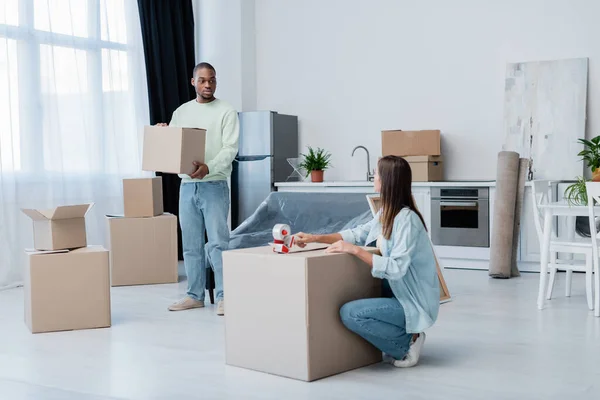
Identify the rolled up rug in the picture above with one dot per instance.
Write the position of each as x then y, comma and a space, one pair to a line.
501, 251
523, 169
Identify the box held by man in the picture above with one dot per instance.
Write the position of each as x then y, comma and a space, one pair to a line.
173, 149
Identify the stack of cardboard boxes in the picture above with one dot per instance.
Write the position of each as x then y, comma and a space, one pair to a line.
143, 242
67, 282
422, 150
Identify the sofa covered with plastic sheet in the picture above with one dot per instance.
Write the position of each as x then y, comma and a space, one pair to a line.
303, 212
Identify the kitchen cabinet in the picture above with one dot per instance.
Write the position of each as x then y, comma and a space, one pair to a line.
528, 254
422, 196
529, 244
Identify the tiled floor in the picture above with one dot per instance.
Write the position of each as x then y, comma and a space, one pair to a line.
490, 342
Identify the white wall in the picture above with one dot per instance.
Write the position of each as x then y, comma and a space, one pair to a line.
225, 38
350, 68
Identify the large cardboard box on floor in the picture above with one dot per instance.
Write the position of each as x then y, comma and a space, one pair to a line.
411, 143
67, 290
143, 197
282, 312
426, 168
143, 251
172, 149
59, 228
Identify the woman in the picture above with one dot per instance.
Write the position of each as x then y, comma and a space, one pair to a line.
394, 324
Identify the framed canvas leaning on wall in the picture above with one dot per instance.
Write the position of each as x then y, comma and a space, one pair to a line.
375, 204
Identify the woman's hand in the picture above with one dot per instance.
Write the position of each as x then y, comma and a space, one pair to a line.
342, 247
302, 239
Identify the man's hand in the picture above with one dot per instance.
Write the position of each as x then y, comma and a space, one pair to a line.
161, 124
302, 239
201, 171
342, 247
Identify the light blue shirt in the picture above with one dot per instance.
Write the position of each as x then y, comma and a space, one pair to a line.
407, 261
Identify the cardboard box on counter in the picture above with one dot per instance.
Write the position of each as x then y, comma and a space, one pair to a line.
411, 143
67, 290
143, 197
426, 168
143, 251
59, 228
282, 312
172, 149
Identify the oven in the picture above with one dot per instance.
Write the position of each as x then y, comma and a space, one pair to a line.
460, 216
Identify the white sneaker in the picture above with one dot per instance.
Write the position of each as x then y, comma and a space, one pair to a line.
414, 352
221, 307
187, 303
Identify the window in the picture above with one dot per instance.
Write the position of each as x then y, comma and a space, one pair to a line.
9, 12
68, 101
10, 157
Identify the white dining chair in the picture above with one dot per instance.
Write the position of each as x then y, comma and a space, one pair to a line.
593, 195
541, 194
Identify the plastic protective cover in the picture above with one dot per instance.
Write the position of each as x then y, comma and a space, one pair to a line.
317, 213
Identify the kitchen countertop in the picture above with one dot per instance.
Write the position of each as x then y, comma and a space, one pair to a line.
369, 184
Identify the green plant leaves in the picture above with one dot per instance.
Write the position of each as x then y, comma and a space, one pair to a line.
591, 153
316, 160
576, 193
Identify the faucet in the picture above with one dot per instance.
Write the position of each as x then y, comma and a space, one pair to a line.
370, 175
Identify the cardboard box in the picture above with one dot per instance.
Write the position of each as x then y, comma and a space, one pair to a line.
143, 197
173, 150
67, 290
143, 251
59, 228
411, 143
426, 168
282, 312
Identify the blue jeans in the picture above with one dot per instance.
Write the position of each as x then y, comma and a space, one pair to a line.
381, 322
203, 207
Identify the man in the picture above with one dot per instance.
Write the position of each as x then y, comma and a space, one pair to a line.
204, 195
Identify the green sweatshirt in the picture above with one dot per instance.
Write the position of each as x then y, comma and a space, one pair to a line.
221, 122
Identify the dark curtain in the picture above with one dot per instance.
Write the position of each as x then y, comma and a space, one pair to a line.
168, 36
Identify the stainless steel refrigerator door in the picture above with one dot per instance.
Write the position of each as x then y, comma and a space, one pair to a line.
251, 185
255, 133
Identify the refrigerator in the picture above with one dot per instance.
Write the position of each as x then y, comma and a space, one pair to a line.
267, 140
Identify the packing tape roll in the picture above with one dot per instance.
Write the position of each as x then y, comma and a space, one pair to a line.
501, 251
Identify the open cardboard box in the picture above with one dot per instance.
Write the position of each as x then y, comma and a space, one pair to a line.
60, 227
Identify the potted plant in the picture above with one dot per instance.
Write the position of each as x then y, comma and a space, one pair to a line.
591, 155
576, 193
315, 163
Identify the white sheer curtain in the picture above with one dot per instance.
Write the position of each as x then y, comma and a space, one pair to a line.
73, 103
